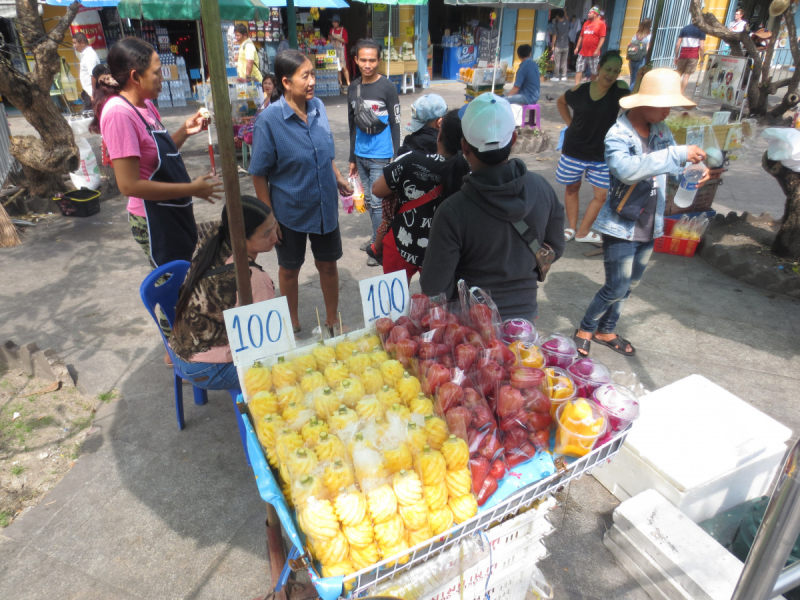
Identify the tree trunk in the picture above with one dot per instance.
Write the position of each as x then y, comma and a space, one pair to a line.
787, 242
46, 158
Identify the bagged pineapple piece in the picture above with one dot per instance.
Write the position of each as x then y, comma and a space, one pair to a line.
369, 407
388, 396
399, 411
407, 488
351, 507
330, 447
318, 519
416, 437
335, 373
361, 536
344, 349
282, 374
378, 356
436, 430
287, 394
287, 442
344, 568
397, 455
257, 379
456, 453
367, 342
301, 462
306, 487
323, 355
408, 387
333, 551
389, 532
431, 466
301, 364
312, 380
341, 418
392, 371
369, 466
338, 474
381, 503
312, 430
418, 536
463, 507
458, 482
325, 402
267, 429
422, 405
365, 556
435, 495
301, 419
440, 520
350, 391
262, 404
357, 362
372, 380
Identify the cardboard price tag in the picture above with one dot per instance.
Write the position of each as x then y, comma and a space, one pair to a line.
259, 330
385, 296
332, 53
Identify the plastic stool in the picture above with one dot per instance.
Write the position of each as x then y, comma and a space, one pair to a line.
526, 110
406, 85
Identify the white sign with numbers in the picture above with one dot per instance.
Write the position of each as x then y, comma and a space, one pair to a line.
259, 330
385, 296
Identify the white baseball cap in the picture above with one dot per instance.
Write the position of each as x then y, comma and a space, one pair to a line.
487, 122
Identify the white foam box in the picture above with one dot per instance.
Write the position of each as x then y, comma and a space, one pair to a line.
699, 446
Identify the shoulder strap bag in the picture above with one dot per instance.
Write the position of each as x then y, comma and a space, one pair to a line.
366, 120
544, 254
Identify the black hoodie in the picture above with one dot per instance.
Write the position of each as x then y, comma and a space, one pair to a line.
473, 237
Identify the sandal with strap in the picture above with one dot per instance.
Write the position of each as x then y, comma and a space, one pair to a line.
617, 344
569, 233
582, 344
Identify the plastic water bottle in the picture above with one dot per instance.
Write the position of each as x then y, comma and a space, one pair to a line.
692, 174
426, 81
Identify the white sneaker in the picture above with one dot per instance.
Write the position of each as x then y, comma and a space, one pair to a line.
554, 79
563, 79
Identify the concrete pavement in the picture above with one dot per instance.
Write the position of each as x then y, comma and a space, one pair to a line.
151, 512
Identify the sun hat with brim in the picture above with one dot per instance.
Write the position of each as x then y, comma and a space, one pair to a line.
659, 88
763, 34
778, 7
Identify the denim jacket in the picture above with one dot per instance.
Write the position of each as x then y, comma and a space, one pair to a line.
627, 165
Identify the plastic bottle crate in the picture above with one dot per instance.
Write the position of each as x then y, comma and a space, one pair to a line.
672, 245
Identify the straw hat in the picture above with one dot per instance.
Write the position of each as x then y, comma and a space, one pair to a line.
659, 87
778, 7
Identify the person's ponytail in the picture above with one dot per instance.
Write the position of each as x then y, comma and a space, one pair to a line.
106, 88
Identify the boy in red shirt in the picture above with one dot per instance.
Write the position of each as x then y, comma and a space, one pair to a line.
590, 45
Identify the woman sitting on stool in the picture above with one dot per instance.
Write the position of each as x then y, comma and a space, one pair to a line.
199, 340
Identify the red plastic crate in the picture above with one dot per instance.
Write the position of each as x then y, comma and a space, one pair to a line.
673, 245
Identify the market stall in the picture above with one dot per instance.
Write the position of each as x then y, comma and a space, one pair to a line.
392, 446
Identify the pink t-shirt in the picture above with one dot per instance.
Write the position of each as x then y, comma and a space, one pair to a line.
126, 136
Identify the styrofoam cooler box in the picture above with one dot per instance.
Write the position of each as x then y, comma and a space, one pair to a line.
701, 447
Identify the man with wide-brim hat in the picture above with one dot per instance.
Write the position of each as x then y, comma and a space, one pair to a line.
640, 153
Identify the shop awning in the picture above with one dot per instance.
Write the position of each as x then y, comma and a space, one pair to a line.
84, 3
523, 4
183, 10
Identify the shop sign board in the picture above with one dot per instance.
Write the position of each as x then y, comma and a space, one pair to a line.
385, 296
467, 55
259, 330
723, 78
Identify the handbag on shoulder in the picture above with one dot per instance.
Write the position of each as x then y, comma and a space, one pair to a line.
628, 201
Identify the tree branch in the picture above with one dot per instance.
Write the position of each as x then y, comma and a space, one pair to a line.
60, 30
789, 98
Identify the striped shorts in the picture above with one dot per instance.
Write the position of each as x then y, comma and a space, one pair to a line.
571, 170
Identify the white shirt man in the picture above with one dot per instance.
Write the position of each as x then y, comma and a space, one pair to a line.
738, 21
89, 60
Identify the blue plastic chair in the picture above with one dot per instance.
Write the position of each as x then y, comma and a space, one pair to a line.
165, 296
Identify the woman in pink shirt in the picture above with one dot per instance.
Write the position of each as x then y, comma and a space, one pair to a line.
199, 341
147, 164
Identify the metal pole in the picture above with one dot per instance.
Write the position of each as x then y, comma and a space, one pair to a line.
497, 49
656, 23
209, 9
787, 580
291, 24
775, 537
205, 100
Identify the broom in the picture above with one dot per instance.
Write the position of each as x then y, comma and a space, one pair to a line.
8, 233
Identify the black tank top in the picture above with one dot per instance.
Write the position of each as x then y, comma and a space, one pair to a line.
591, 120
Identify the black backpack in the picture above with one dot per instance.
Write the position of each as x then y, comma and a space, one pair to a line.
636, 50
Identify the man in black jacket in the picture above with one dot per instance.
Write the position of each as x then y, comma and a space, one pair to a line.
473, 235
426, 121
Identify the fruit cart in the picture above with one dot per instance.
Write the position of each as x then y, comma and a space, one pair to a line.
496, 519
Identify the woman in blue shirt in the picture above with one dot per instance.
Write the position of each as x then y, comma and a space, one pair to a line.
294, 172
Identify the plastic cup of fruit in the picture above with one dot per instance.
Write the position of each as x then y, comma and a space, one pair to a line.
517, 330
588, 375
576, 435
558, 350
347, 204
618, 403
559, 386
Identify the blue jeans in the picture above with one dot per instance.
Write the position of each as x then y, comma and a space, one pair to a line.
208, 376
634, 66
370, 170
624, 263
518, 99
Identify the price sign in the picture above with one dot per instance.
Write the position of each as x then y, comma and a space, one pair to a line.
173, 48
259, 330
384, 296
409, 31
332, 53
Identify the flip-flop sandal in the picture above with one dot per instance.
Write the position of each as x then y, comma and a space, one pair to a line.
618, 344
569, 233
592, 238
582, 344
296, 329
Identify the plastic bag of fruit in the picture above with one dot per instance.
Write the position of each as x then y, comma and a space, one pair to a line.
483, 314
420, 306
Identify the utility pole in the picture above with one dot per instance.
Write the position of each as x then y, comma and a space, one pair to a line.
209, 10
291, 24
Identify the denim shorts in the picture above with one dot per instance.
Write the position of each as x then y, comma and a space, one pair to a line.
326, 247
208, 376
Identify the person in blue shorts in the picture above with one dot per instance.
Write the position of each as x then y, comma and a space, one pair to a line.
589, 110
526, 85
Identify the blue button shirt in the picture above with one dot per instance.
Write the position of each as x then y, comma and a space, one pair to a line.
528, 80
297, 160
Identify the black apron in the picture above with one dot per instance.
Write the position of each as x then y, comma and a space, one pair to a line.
170, 224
